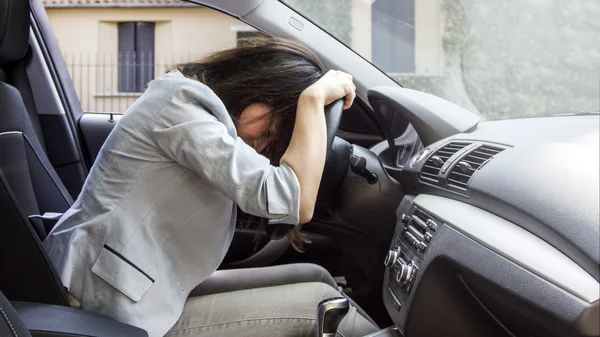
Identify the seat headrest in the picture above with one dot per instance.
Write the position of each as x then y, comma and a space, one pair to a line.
14, 30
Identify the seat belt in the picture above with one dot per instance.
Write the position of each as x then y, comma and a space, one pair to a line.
48, 218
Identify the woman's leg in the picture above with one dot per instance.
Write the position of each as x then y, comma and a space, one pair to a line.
285, 310
247, 278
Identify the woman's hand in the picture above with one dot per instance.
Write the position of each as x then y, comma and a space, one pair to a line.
333, 85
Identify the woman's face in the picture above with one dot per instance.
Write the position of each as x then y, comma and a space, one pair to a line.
253, 124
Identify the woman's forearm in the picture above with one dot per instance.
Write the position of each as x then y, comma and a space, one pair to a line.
306, 151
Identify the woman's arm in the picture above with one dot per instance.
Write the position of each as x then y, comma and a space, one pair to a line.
188, 134
307, 149
306, 152
285, 194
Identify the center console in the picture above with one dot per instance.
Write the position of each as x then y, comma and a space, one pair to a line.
415, 232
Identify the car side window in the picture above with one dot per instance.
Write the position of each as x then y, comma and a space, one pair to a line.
113, 51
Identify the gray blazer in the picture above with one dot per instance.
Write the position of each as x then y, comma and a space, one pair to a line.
157, 212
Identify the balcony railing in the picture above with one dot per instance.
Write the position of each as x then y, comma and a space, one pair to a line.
112, 82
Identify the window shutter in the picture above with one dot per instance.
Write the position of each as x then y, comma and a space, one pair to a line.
144, 54
126, 60
393, 35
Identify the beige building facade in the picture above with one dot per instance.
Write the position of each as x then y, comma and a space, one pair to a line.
88, 35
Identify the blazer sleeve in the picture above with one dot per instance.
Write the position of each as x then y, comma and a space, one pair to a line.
194, 138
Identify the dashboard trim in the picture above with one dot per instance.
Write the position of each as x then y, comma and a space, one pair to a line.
514, 243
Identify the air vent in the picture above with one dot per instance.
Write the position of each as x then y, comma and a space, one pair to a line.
434, 163
465, 168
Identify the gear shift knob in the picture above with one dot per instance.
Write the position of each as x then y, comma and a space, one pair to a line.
330, 313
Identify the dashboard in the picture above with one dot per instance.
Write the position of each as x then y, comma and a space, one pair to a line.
498, 233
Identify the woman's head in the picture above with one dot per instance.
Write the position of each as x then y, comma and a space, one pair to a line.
260, 82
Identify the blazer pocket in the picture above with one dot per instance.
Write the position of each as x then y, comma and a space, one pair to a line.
122, 274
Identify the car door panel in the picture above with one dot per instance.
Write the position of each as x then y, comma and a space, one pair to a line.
63, 153
55, 101
95, 128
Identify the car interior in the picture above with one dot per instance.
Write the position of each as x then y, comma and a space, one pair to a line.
436, 223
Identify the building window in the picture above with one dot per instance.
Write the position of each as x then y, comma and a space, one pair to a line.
393, 35
136, 56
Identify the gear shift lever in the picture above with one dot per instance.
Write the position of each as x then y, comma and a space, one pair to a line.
330, 313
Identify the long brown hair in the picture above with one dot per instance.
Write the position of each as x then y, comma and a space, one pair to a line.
268, 70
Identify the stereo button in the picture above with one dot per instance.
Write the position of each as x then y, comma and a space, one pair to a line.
428, 237
397, 305
390, 258
411, 239
432, 225
405, 272
411, 279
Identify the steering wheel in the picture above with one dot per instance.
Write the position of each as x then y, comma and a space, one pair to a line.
333, 116
276, 247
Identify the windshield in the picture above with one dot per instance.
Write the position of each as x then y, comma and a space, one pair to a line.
501, 59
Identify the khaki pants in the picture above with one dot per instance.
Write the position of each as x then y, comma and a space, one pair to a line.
285, 310
261, 302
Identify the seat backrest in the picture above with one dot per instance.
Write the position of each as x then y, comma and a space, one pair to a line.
28, 183
10, 323
27, 274
26, 167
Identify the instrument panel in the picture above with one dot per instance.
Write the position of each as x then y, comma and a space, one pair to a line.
459, 263
415, 232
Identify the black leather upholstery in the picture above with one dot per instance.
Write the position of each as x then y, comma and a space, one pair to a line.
14, 44
26, 272
28, 183
10, 323
14, 30
51, 320
25, 165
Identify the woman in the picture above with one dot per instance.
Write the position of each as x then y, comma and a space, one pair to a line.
156, 214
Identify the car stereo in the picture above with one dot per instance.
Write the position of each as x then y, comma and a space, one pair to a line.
415, 232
